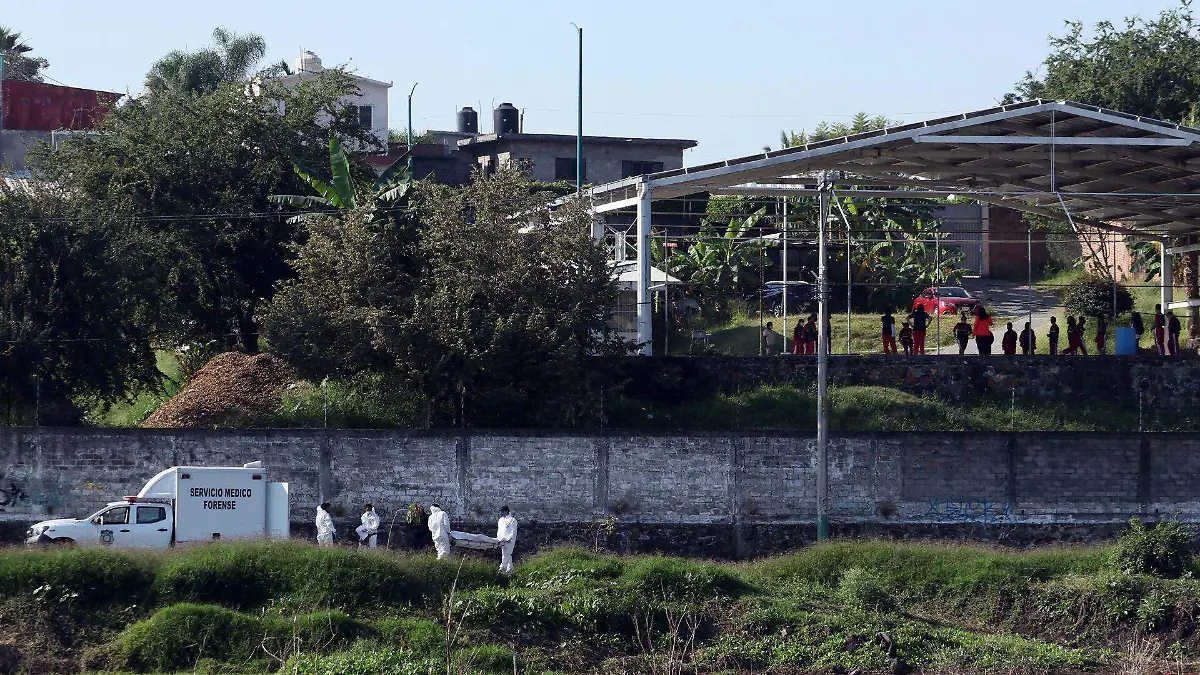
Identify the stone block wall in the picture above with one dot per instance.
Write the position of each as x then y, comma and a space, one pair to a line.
752, 492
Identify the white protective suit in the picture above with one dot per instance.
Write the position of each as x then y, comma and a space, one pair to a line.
439, 527
506, 532
368, 532
324, 528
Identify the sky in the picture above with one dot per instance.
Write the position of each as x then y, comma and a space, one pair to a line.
730, 75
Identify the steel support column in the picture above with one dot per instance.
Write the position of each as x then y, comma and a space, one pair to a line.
1166, 277
645, 308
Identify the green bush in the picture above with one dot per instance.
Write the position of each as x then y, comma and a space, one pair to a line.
1094, 297
567, 567
1163, 550
865, 590
245, 576
180, 635
85, 577
680, 579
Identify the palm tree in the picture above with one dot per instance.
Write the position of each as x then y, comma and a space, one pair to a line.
232, 60
17, 66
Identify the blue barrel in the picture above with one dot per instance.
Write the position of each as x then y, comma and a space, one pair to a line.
1126, 342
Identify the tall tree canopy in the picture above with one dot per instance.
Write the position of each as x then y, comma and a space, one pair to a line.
195, 171
18, 66
1143, 67
73, 292
232, 59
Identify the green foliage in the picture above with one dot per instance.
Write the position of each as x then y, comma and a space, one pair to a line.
486, 659
193, 196
866, 590
362, 659
246, 576
567, 566
724, 262
824, 131
1163, 550
205, 70
91, 577
1145, 67
177, 636
65, 273
363, 401
419, 636
18, 66
1094, 297
680, 579
389, 190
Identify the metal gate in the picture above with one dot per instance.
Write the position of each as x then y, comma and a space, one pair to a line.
963, 223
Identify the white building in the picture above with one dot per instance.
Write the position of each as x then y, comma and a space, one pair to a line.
371, 103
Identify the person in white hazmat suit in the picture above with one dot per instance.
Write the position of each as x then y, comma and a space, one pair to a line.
506, 532
368, 531
439, 527
324, 525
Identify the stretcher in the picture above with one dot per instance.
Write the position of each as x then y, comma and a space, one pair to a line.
476, 541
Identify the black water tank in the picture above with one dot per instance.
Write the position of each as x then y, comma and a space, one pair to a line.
506, 119
468, 121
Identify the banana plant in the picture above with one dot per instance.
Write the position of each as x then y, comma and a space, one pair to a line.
339, 193
720, 260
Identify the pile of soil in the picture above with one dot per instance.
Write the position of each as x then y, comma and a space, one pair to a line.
231, 390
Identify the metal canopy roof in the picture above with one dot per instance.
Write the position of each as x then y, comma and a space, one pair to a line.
1107, 168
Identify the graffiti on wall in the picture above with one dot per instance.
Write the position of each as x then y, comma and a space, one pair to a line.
11, 495
963, 510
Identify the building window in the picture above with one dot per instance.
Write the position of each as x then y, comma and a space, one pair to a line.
633, 168
363, 114
564, 169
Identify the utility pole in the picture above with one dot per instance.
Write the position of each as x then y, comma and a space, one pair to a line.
823, 362
410, 136
579, 133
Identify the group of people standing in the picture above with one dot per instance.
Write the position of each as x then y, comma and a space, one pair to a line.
978, 325
439, 529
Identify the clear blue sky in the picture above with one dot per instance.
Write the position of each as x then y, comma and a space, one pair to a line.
730, 74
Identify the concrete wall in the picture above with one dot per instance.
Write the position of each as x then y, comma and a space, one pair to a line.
750, 492
603, 160
15, 145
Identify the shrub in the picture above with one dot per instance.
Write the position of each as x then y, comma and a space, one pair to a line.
866, 590
245, 576
567, 566
1163, 550
178, 636
88, 577
1094, 297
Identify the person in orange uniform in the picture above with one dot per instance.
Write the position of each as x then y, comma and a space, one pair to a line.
983, 331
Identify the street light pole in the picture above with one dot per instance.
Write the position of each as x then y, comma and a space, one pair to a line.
579, 133
410, 95
823, 362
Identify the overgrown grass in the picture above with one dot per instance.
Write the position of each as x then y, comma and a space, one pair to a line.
873, 606
362, 402
873, 408
134, 411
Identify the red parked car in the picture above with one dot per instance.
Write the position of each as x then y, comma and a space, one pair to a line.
945, 300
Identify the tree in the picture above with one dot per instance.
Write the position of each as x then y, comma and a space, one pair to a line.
18, 66
824, 131
195, 171
724, 262
496, 311
341, 193
232, 60
1149, 68
72, 297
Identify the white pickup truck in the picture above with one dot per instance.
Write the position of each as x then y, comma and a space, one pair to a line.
180, 505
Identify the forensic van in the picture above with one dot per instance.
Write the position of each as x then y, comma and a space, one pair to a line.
183, 504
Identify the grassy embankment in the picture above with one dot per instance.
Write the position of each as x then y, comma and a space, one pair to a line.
878, 607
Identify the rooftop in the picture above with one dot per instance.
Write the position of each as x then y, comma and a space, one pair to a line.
483, 139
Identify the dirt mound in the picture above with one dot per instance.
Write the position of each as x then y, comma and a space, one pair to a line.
231, 390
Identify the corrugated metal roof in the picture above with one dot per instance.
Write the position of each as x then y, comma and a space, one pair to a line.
1105, 166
